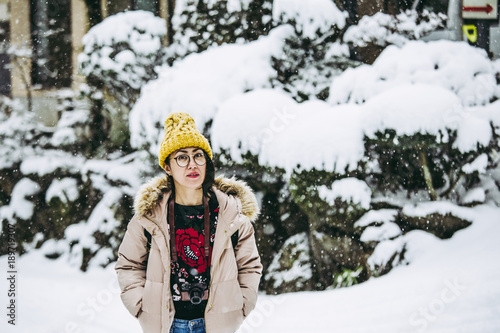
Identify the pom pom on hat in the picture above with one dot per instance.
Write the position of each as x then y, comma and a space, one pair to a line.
181, 132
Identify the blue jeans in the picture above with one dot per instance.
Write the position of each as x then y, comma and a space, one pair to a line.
188, 326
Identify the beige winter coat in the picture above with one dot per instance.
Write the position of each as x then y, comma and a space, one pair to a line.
144, 276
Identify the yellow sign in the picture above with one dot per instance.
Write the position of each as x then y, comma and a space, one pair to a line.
471, 32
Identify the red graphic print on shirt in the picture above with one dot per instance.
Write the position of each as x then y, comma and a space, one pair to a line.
190, 247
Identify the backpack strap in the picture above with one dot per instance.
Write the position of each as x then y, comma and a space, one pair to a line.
234, 239
148, 237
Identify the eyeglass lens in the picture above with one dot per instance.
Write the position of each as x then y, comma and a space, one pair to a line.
183, 160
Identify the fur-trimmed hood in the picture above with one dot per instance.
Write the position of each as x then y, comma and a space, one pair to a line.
152, 192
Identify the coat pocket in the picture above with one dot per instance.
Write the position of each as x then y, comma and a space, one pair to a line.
227, 297
151, 298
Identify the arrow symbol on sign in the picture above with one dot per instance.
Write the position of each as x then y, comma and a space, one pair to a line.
487, 9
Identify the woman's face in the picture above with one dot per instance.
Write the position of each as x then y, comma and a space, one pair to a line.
192, 175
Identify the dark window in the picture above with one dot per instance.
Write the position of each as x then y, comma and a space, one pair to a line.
436, 6
5, 84
117, 6
151, 6
51, 40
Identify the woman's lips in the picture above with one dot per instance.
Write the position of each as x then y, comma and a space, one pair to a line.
193, 175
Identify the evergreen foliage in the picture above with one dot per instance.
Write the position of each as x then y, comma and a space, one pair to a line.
119, 63
200, 24
310, 60
116, 65
422, 161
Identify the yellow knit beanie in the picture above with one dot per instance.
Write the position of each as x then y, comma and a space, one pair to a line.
181, 132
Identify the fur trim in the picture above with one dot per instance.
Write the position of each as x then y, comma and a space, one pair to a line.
152, 192
240, 189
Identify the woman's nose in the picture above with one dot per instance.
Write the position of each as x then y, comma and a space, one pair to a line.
191, 163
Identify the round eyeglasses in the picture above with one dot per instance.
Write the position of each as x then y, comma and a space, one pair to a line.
184, 159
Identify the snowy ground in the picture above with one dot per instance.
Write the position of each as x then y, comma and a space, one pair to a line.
449, 286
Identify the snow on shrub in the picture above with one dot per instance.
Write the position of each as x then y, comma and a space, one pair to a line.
50, 162
404, 134
299, 136
387, 254
455, 66
309, 17
312, 55
388, 230
99, 232
200, 83
120, 53
378, 225
66, 190
443, 208
411, 109
349, 190
49, 184
21, 204
18, 132
268, 111
201, 24
291, 268
383, 29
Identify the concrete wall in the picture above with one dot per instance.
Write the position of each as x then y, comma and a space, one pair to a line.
20, 38
79, 27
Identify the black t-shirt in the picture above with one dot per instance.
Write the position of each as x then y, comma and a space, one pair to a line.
192, 266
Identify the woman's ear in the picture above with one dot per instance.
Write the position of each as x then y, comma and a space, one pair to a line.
167, 169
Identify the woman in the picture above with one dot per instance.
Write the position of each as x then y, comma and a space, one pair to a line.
174, 275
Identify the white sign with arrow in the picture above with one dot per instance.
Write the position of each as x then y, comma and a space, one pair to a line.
480, 9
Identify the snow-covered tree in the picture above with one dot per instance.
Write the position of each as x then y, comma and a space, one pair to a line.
120, 55
200, 24
313, 55
373, 33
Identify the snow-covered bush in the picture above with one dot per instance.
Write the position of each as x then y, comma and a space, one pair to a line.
378, 225
331, 207
312, 55
57, 199
381, 238
200, 24
423, 162
423, 134
121, 54
387, 255
455, 66
374, 33
200, 83
383, 29
442, 219
291, 268
17, 131
380, 123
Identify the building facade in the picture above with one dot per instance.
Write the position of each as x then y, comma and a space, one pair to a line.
40, 41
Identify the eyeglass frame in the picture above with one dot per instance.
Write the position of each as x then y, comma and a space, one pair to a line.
189, 159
